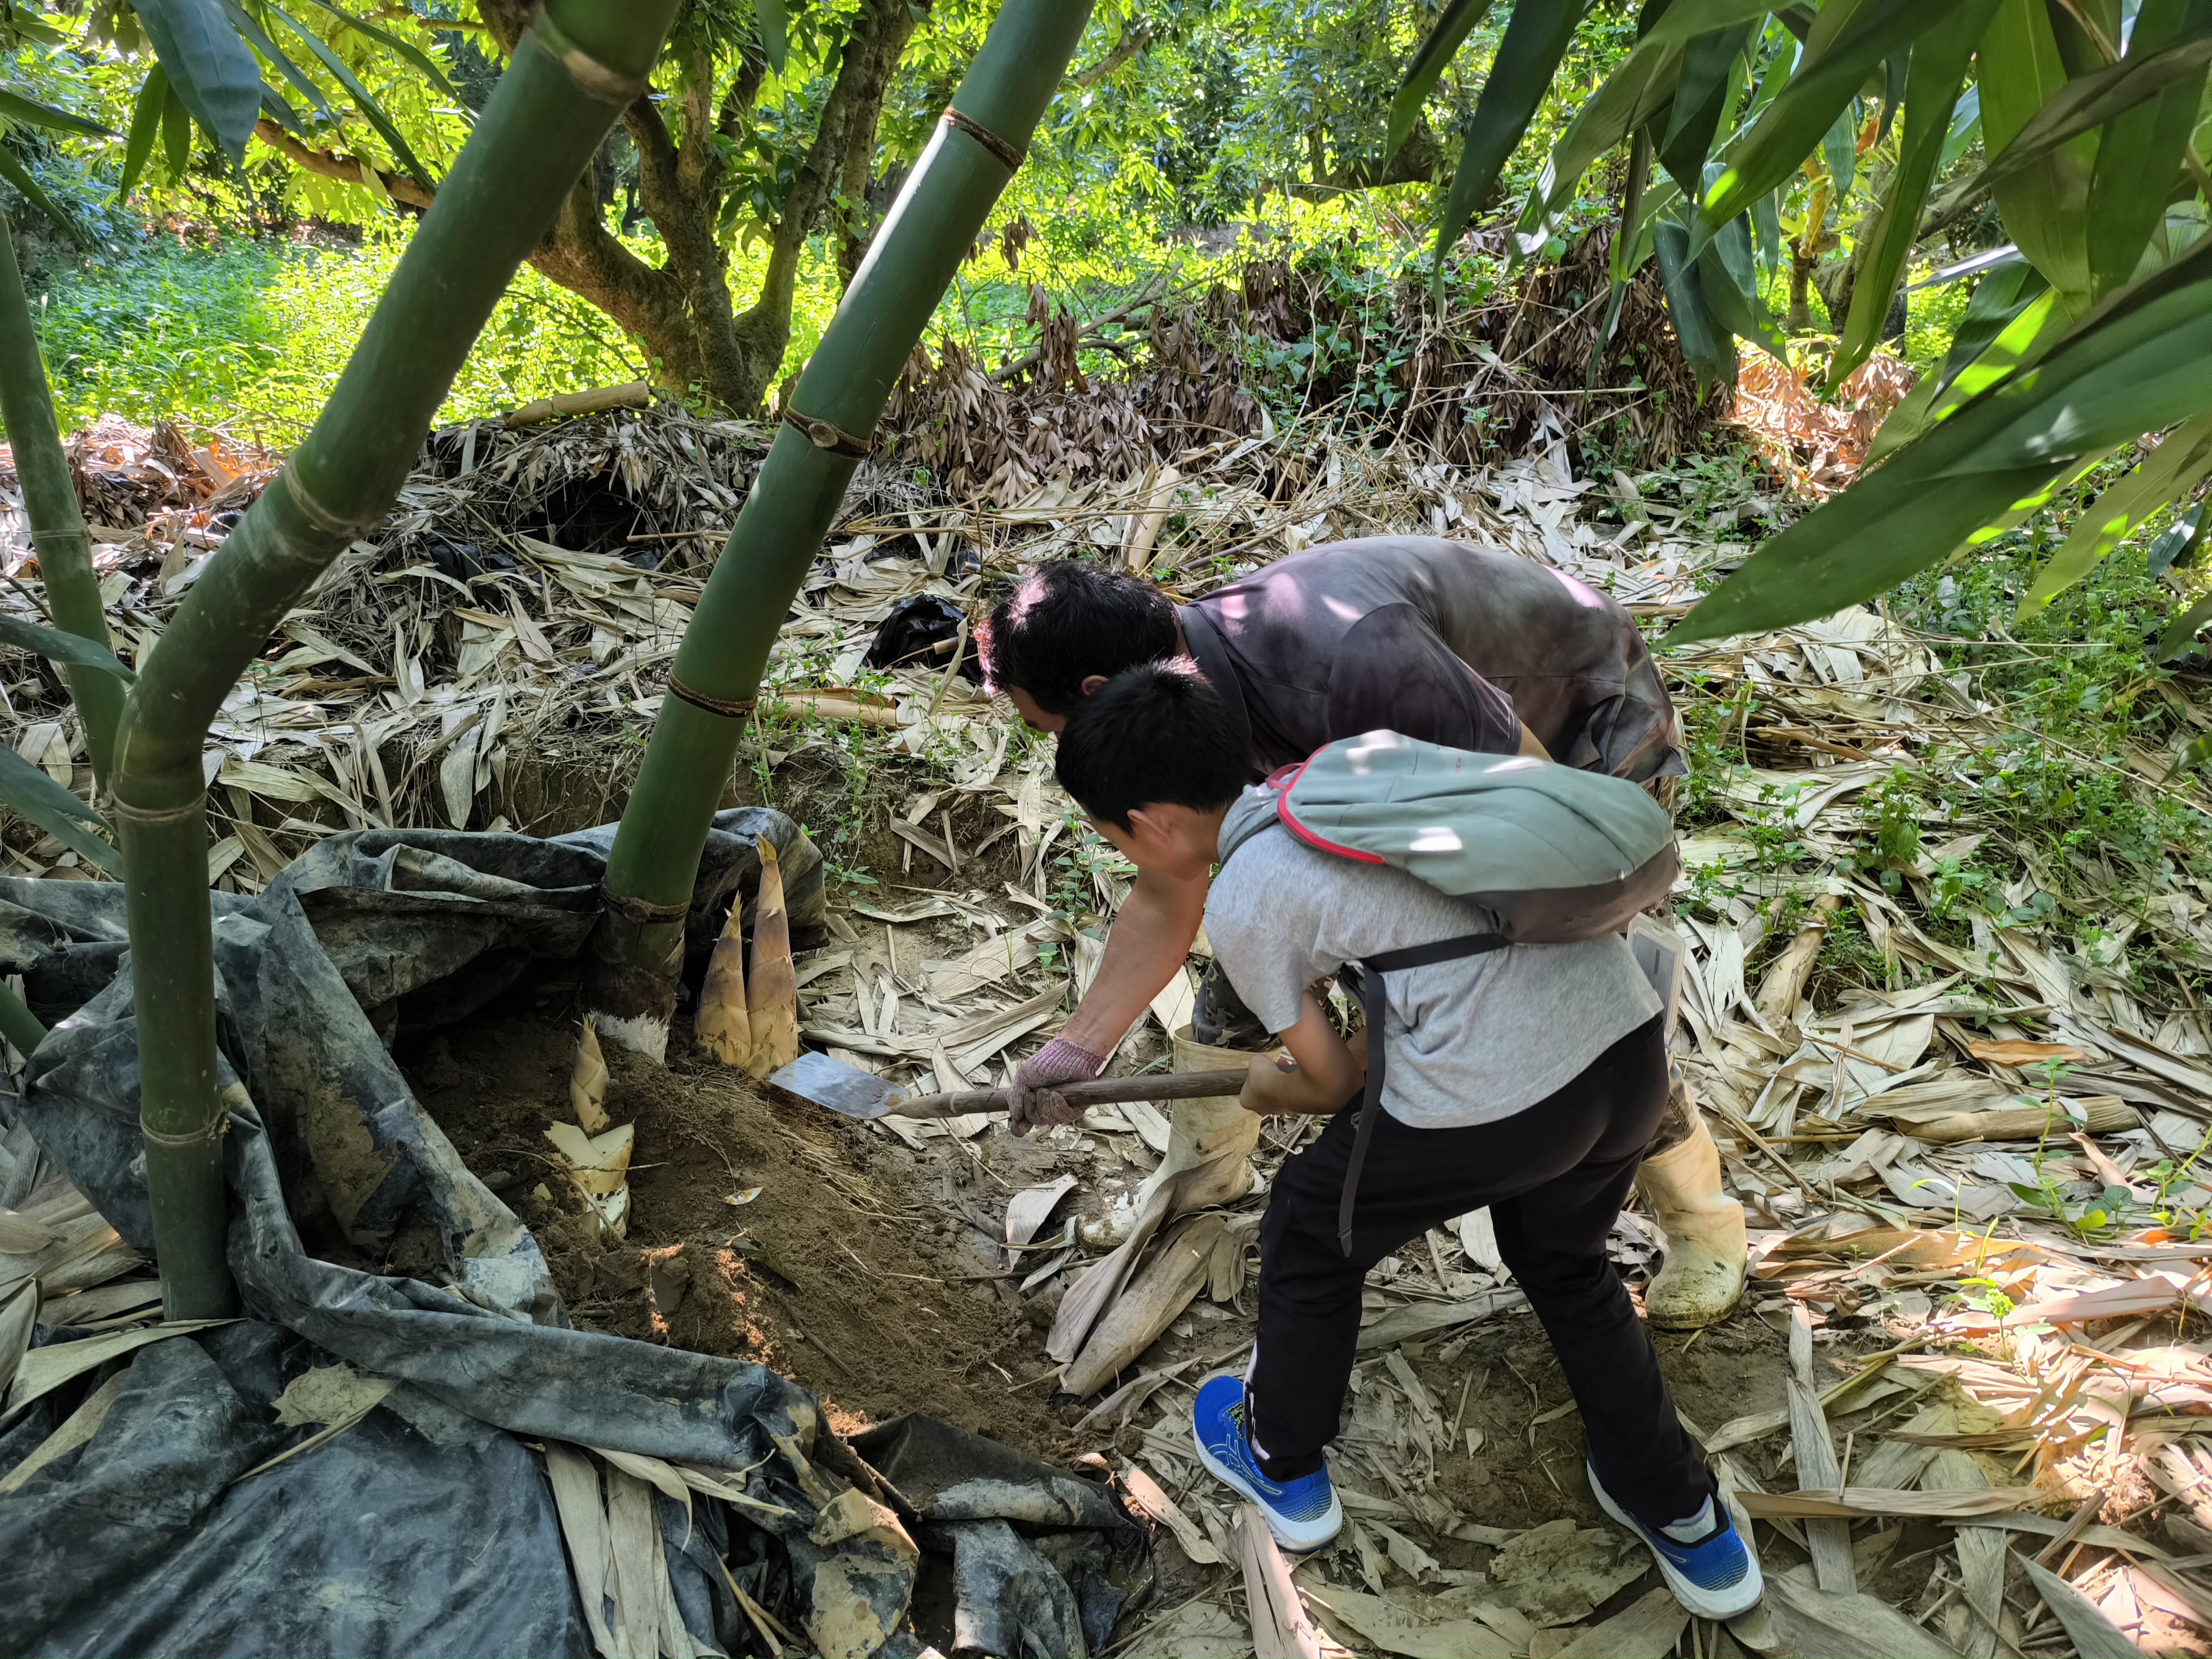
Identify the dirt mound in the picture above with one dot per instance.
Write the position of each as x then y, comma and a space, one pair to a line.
845, 1267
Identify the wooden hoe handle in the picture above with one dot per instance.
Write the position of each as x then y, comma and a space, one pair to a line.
1101, 1092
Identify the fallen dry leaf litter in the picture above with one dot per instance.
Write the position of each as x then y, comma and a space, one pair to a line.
1969, 1395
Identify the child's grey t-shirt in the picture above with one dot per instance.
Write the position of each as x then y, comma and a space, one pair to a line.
1469, 1041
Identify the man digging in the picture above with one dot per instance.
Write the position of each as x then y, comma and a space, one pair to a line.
1439, 640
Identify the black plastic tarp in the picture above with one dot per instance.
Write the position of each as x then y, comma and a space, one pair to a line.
430, 1525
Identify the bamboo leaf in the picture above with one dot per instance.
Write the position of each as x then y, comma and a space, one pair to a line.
145, 123
1819, 97
2012, 307
2176, 546
57, 646
1893, 94
775, 32
28, 792
2140, 152
1638, 89
1632, 240
1766, 224
1965, 125
19, 176
1535, 41
176, 135
17, 107
1729, 282
274, 106
1452, 27
1707, 346
2085, 103
208, 67
1839, 151
2174, 467
1626, 255
242, 21
367, 104
2144, 359
2018, 69
2178, 635
413, 54
1934, 74
1711, 66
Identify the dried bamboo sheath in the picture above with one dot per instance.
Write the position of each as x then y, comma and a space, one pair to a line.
571, 76
841, 395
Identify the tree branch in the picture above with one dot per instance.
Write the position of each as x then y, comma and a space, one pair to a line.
1134, 39
346, 169
1415, 163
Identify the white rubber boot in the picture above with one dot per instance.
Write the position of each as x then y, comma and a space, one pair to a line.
1210, 1144
1702, 1279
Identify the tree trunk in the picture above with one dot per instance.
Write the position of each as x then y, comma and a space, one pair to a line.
1800, 321
681, 312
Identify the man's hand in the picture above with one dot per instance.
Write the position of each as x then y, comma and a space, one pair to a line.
1032, 1101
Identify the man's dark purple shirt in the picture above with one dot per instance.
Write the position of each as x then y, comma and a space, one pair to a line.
1441, 640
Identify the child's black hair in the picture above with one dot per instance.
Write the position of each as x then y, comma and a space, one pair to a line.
1066, 620
1154, 735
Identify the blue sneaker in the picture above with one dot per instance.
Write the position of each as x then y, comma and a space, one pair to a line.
1302, 1514
1713, 1574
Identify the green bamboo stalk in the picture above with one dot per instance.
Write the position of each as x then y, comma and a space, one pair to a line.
57, 532
638, 946
581, 63
18, 1023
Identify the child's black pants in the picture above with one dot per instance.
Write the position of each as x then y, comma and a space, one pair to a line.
1555, 1177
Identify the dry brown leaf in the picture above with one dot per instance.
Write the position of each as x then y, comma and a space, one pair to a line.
1281, 1628
2027, 1054
772, 996
1852, 1501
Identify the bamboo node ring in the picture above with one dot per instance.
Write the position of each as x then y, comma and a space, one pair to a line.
736, 708
827, 435
321, 517
641, 911
596, 79
214, 1131
124, 809
1010, 153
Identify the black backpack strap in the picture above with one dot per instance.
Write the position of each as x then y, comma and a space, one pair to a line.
1371, 969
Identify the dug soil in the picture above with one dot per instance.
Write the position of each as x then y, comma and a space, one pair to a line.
763, 1232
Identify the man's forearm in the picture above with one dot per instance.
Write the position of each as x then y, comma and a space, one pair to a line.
1144, 949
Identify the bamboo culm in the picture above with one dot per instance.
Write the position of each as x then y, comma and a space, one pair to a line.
579, 66
57, 528
830, 417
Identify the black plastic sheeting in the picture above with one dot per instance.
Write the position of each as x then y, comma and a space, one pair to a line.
429, 1526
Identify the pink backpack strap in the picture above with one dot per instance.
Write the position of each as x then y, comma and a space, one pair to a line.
1282, 782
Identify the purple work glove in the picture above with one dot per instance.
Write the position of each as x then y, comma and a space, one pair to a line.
1032, 1101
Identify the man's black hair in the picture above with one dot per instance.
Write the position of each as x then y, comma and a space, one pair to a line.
1151, 736
1067, 620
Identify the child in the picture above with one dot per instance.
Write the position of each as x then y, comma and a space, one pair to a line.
1527, 1080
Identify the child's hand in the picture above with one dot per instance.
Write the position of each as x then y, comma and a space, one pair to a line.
1317, 1076
1271, 1085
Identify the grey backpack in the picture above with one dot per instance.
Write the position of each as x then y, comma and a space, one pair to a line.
1556, 853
